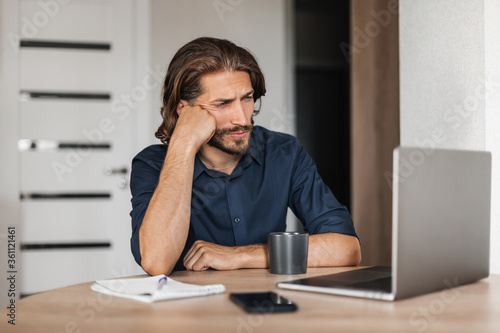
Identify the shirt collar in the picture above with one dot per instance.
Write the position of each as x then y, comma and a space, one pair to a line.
257, 145
198, 167
255, 152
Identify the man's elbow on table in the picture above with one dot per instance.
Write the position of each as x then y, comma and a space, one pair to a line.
156, 267
353, 253
350, 250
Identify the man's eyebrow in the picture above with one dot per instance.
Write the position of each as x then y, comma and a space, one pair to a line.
222, 99
226, 100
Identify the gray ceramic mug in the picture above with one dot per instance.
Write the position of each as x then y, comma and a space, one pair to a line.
288, 252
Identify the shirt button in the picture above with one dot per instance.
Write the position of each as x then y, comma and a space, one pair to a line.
237, 220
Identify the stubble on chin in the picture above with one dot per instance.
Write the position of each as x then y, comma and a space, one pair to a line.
235, 146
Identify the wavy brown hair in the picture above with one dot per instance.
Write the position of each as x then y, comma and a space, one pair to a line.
199, 57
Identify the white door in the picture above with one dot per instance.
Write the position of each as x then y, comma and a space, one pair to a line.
76, 110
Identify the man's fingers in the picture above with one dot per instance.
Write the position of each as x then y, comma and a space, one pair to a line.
201, 263
204, 255
189, 255
210, 137
189, 261
197, 123
203, 106
186, 259
193, 254
197, 262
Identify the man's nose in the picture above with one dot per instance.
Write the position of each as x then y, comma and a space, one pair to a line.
238, 115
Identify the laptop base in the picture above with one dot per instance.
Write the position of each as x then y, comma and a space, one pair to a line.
373, 282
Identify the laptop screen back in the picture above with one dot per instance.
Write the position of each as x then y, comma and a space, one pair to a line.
441, 219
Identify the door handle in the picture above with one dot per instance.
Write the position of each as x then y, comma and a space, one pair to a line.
108, 171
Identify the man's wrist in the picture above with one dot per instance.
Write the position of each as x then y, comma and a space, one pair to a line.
182, 145
253, 256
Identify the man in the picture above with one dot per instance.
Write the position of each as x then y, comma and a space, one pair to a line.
208, 197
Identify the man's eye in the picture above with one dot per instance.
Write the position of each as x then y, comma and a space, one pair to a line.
220, 105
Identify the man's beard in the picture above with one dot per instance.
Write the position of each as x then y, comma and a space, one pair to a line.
238, 146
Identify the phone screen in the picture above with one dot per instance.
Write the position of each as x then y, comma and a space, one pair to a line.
266, 302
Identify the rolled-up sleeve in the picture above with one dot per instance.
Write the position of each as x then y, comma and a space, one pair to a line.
146, 168
313, 202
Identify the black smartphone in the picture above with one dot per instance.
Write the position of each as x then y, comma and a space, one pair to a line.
267, 302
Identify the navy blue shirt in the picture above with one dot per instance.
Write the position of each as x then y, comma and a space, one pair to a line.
242, 208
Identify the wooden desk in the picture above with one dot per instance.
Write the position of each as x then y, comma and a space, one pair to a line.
472, 308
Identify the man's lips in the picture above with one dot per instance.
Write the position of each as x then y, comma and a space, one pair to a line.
238, 135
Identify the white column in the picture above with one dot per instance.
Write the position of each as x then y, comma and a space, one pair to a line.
450, 82
442, 73
492, 108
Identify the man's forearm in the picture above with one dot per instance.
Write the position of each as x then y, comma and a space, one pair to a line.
165, 226
328, 249
254, 256
332, 249
204, 255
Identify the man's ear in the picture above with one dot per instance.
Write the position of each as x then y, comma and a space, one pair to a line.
181, 104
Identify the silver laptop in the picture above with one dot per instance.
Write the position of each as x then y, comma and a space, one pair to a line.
440, 228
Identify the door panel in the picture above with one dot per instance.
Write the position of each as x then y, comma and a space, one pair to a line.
77, 20
53, 69
76, 143
73, 170
59, 221
53, 268
74, 118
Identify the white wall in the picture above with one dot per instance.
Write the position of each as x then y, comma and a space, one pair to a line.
492, 107
449, 51
441, 67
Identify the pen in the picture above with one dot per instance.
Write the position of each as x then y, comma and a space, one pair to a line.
162, 282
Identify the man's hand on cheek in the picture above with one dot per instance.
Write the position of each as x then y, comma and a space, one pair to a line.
204, 255
194, 123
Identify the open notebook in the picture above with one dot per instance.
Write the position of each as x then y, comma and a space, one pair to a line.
154, 288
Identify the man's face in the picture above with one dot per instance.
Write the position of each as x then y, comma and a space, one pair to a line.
228, 96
